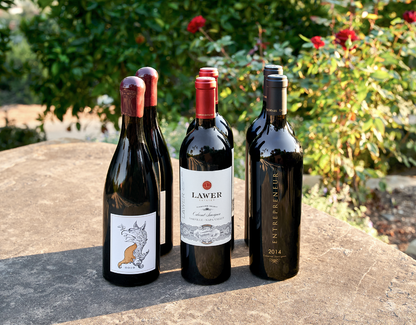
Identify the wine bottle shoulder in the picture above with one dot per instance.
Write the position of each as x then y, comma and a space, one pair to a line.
205, 149
222, 125
254, 129
271, 143
131, 175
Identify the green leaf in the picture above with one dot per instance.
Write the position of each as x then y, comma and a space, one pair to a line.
160, 22
412, 161
396, 21
324, 161
380, 75
373, 148
55, 68
295, 107
368, 124
173, 5
308, 160
239, 6
78, 126
378, 123
305, 38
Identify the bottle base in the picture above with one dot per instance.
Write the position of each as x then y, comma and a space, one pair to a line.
165, 249
205, 282
278, 277
130, 280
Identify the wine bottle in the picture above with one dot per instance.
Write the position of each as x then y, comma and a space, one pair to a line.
205, 162
252, 132
131, 217
275, 185
224, 127
160, 155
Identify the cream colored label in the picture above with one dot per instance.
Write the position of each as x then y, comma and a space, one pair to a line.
132, 243
206, 202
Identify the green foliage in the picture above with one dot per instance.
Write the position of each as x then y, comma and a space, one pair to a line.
22, 71
88, 47
338, 205
356, 103
13, 137
19, 68
240, 88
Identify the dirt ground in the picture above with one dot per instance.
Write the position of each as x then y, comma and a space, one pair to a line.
394, 215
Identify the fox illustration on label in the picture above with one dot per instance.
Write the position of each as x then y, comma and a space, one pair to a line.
134, 253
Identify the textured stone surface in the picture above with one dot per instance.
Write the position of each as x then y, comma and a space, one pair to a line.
51, 232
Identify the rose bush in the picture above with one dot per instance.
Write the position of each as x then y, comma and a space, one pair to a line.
356, 98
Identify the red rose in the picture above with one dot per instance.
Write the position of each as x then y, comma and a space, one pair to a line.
196, 24
410, 16
342, 36
317, 42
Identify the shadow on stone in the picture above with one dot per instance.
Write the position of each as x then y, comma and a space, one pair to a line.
65, 286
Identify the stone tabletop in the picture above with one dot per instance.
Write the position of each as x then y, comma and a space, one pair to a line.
50, 259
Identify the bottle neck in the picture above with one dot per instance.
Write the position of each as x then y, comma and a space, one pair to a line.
132, 129
150, 117
276, 109
278, 121
263, 112
204, 123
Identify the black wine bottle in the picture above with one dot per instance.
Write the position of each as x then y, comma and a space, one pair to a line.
224, 127
160, 155
205, 194
131, 250
275, 187
252, 132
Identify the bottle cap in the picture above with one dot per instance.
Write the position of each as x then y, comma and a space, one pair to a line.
268, 70
272, 69
277, 81
150, 78
210, 72
132, 91
205, 97
276, 94
205, 83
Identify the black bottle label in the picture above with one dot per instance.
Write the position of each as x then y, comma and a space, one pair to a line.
276, 219
133, 243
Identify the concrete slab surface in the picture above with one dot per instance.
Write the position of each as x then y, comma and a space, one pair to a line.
50, 259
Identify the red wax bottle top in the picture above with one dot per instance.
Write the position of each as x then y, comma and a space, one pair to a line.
132, 91
150, 78
205, 97
210, 72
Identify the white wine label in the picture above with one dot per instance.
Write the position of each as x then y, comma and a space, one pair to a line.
132, 243
206, 201
162, 217
232, 185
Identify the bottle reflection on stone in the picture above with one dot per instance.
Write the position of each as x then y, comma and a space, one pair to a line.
275, 187
131, 199
252, 132
205, 194
160, 155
